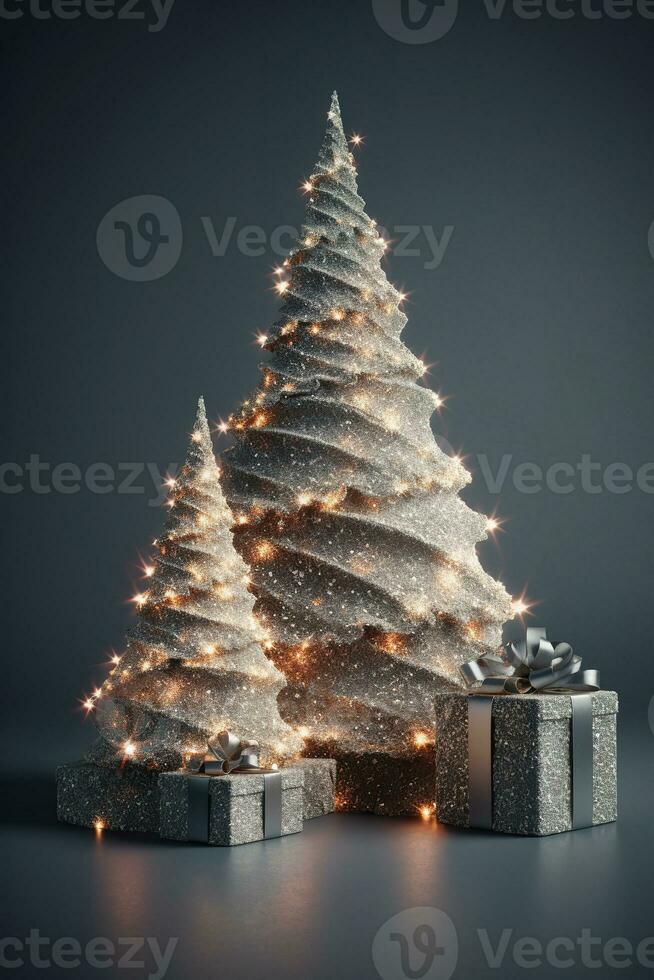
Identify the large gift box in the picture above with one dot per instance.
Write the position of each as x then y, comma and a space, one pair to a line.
531, 748
229, 800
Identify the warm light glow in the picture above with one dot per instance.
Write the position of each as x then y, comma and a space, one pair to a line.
196, 437
281, 287
140, 599
129, 749
262, 339
264, 550
115, 659
492, 524
356, 139
426, 811
148, 570
303, 499
338, 314
89, 704
242, 519
438, 400
98, 825
223, 426
519, 607
421, 739
307, 187
170, 482
401, 297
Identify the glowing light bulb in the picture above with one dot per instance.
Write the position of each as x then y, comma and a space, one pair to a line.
89, 704
196, 437
115, 659
519, 607
426, 811
98, 825
262, 339
129, 749
356, 139
307, 187
148, 570
281, 287
420, 739
223, 426
303, 499
170, 482
140, 599
492, 525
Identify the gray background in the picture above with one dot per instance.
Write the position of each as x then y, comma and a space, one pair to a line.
532, 138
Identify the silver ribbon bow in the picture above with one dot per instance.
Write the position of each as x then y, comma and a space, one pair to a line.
227, 753
533, 664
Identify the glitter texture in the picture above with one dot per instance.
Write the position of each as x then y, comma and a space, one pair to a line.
319, 786
194, 663
363, 555
235, 806
531, 761
121, 799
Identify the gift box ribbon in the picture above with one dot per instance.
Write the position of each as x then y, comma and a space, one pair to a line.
534, 665
229, 755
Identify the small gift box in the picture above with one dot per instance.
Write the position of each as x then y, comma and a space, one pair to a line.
531, 748
225, 799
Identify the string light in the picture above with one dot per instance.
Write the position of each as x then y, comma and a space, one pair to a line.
307, 187
262, 339
356, 139
427, 810
421, 739
520, 607
98, 825
129, 749
281, 287
140, 599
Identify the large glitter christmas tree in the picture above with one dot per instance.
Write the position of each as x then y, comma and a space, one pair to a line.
194, 664
363, 554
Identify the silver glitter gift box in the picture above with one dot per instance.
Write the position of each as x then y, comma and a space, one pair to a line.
319, 786
223, 811
125, 798
533, 788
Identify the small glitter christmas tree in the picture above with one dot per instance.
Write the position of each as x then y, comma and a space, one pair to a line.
362, 552
194, 664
